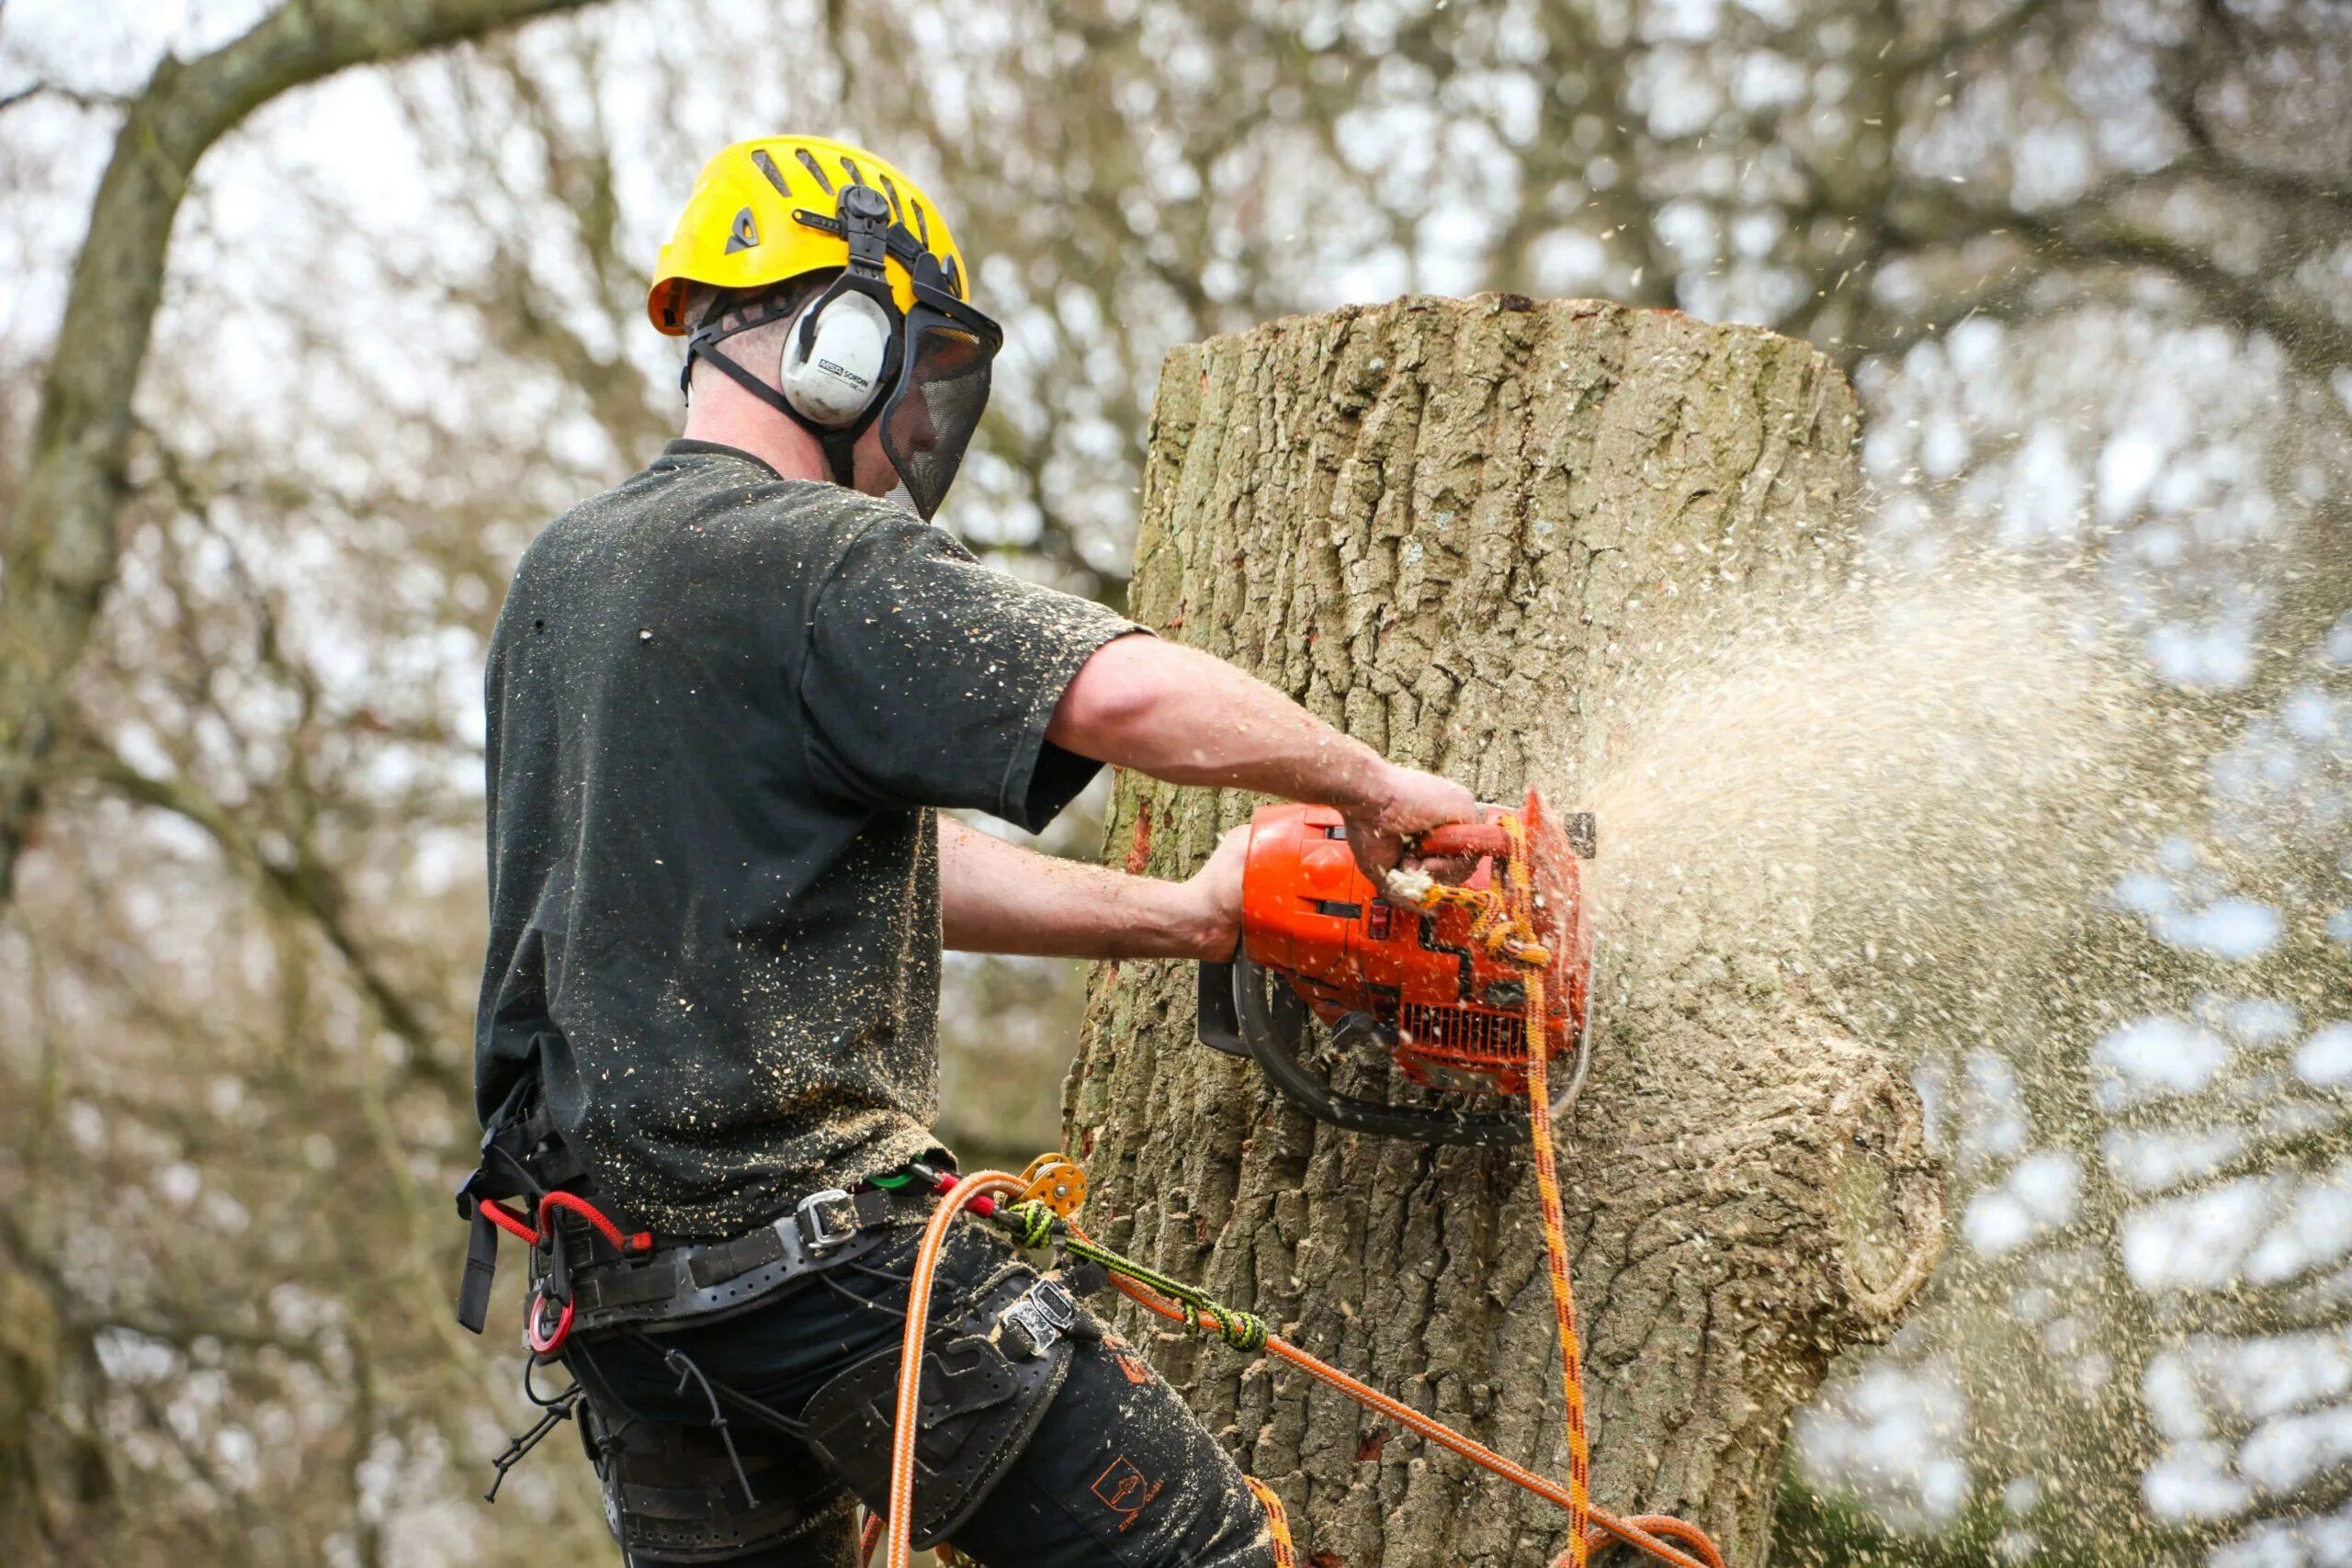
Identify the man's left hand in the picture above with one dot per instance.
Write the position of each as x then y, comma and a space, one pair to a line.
1214, 894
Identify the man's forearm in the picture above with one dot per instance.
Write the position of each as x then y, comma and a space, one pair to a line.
1000, 898
1179, 715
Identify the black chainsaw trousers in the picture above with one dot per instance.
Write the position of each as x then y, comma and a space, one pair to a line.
1111, 1469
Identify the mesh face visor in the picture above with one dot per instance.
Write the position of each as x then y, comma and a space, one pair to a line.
942, 389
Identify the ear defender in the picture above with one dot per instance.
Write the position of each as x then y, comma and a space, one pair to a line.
833, 358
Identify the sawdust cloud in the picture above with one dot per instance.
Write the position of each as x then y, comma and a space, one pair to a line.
1908, 796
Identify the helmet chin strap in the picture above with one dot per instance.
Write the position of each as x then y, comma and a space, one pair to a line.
840, 445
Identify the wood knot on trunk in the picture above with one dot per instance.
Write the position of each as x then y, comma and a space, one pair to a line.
1888, 1194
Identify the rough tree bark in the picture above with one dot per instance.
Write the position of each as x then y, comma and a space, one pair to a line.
58, 548
1467, 531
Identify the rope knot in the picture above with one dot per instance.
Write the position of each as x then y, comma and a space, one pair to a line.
1245, 1331
1031, 1223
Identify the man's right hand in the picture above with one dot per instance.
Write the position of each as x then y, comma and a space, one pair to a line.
1406, 801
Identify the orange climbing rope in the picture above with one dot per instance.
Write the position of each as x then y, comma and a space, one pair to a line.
1547, 1188
978, 1184
1641, 1530
1505, 926
1277, 1522
1649, 1532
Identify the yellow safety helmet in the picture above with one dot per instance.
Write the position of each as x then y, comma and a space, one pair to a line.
738, 231
892, 339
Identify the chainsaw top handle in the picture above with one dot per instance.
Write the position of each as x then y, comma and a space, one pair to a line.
1467, 840
1464, 838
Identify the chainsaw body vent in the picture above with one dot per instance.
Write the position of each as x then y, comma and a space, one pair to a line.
1452, 1047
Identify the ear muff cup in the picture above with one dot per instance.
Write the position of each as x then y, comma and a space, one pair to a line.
834, 361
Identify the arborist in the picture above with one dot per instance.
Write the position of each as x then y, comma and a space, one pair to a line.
730, 703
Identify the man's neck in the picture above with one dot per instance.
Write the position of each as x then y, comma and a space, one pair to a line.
731, 417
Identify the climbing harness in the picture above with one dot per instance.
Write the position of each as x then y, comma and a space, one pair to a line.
993, 1370
626, 1280
554, 1292
524, 1156
553, 1411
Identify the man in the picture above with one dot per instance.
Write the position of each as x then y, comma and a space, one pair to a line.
727, 703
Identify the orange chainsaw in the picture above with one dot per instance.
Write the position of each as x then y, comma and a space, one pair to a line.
1371, 966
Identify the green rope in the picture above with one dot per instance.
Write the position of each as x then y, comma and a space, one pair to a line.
1245, 1331
1032, 1225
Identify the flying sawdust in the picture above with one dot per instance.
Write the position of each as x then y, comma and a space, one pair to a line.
1909, 799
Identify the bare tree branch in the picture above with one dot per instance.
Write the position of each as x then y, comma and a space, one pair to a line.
60, 549
302, 881
77, 97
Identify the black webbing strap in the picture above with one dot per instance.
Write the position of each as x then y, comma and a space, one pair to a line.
524, 1155
481, 1272
714, 1278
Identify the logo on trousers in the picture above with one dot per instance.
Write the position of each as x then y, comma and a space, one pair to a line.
1125, 1490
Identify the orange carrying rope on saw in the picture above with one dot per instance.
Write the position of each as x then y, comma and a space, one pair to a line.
1504, 924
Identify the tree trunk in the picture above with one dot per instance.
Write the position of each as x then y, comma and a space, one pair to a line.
1468, 531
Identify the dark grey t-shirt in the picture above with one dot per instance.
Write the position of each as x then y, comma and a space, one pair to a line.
722, 709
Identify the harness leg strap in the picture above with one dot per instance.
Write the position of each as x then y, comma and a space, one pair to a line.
987, 1381
675, 1494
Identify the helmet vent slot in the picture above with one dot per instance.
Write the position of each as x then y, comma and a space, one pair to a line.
767, 165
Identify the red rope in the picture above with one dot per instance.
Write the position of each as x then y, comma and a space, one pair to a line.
637, 1241
515, 1226
543, 1341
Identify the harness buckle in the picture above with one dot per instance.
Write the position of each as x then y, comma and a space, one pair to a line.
825, 1219
1041, 1317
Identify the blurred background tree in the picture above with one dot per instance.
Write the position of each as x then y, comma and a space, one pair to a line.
2089, 262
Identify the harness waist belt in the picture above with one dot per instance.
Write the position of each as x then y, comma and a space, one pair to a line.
709, 1279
